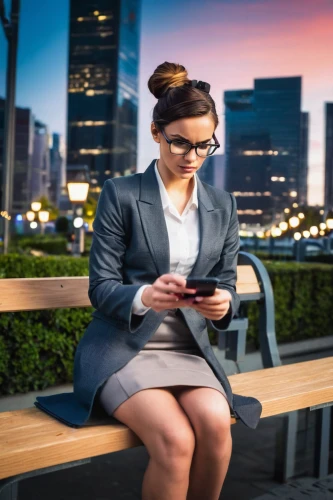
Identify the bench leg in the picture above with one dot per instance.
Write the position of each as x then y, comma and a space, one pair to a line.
286, 448
8, 490
322, 442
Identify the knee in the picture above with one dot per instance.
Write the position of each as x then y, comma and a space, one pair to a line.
176, 446
215, 430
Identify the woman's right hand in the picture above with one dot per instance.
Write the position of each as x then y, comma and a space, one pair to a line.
166, 293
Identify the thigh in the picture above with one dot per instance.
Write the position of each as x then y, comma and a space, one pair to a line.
157, 419
207, 409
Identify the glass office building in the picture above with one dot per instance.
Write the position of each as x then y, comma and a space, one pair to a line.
329, 155
24, 146
266, 147
103, 87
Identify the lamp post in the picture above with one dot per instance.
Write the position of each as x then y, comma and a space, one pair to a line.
329, 227
10, 27
78, 192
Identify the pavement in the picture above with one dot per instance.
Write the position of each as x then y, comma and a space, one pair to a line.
119, 475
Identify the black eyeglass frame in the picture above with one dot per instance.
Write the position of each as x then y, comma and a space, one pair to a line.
195, 146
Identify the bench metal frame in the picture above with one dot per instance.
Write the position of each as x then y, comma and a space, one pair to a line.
233, 341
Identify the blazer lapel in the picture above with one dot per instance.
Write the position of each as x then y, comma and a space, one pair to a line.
153, 220
208, 230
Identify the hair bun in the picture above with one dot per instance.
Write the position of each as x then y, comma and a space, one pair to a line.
167, 75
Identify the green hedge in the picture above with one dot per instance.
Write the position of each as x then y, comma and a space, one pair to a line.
303, 297
50, 244
37, 348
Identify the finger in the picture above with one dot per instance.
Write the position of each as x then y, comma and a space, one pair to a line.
209, 309
179, 290
213, 299
173, 278
165, 297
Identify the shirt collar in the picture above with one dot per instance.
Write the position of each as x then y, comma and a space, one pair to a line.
164, 194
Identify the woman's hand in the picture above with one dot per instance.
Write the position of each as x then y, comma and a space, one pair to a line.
214, 307
167, 293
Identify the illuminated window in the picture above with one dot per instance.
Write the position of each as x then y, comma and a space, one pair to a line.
259, 152
95, 151
90, 123
251, 193
249, 212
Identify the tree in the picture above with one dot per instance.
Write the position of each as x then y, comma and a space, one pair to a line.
47, 205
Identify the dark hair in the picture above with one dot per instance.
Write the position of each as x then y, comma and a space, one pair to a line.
176, 97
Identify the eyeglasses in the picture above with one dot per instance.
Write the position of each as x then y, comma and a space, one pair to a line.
178, 147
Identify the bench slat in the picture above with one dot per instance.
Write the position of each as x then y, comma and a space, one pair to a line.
288, 387
30, 439
31, 294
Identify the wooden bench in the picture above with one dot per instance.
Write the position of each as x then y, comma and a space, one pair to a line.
33, 443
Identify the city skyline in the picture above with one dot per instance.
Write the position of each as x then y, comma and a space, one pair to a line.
226, 49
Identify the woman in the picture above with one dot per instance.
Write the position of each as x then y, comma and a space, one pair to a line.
146, 358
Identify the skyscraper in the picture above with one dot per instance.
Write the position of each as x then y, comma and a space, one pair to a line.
329, 155
103, 87
24, 141
265, 147
56, 168
40, 164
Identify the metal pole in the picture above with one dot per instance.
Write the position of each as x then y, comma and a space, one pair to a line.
9, 126
78, 243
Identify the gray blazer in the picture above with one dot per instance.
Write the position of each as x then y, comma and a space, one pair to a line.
131, 248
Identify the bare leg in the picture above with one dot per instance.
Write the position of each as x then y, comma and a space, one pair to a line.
209, 414
162, 425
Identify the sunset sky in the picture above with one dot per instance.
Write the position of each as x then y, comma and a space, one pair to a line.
226, 43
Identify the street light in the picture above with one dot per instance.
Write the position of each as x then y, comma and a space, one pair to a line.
329, 221
314, 230
283, 225
36, 206
78, 192
294, 221
43, 216
30, 215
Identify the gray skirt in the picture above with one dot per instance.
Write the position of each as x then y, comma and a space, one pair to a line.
171, 357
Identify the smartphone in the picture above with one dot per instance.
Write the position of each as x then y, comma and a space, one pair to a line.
204, 287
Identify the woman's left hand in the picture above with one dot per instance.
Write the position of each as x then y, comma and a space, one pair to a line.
214, 307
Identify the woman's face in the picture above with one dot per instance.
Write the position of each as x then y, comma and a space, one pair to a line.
194, 130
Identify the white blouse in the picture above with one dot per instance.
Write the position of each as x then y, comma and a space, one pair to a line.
183, 233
